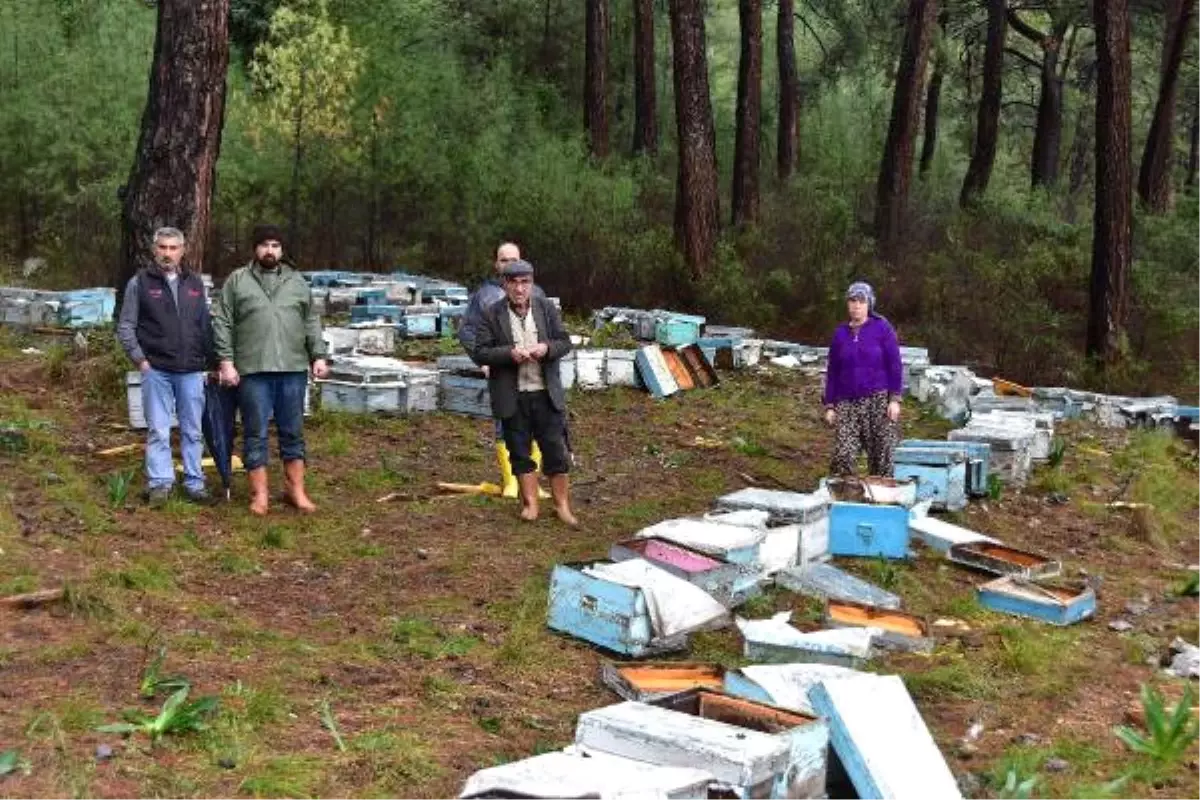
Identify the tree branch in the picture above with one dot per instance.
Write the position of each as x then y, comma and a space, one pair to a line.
809, 28
1027, 59
1025, 29
1066, 62
1026, 103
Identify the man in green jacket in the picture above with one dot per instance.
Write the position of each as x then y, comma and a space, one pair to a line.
267, 335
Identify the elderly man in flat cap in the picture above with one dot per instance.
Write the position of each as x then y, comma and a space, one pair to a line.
267, 336
521, 338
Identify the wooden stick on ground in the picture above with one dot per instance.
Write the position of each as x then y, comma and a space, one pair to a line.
33, 599
121, 449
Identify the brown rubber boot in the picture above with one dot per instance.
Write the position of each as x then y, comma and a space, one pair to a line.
529, 496
294, 490
257, 479
560, 487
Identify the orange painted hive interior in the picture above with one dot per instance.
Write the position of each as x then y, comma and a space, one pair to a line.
672, 679
894, 621
1003, 553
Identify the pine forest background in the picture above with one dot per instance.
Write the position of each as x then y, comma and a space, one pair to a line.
416, 134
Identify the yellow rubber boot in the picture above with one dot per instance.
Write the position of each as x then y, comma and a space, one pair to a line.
535, 453
508, 481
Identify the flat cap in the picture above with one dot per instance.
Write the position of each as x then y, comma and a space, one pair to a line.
517, 268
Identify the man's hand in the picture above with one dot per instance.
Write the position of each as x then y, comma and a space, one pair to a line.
520, 355
893, 410
538, 351
830, 416
228, 374
319, 368
143, 366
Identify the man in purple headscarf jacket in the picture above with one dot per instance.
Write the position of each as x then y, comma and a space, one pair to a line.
863, 385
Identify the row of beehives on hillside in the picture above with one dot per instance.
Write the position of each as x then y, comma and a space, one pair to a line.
413, 306
731, 347
959, 393
688, 728
78, 308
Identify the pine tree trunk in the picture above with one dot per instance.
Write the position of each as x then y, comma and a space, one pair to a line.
895, 170
1081, 146
749, 108
645, 101
1047, 136
987, 125
595, 89
789, 89
1154, 177
171, 182
697, 211
1112, 237
1193, 162
933, 101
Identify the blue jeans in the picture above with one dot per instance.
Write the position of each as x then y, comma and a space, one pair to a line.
259, 395
181, 393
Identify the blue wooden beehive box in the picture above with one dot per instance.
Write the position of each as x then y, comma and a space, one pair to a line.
326, 278
371, 312
976, 455
652, 368
449, 318
604, 613
677, 330
1190, 413
940, 473
371, 297
719, 350
415, 326
80, 308
465, 394
1056, 603
870, 531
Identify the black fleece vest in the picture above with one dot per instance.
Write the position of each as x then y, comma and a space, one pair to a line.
174, 339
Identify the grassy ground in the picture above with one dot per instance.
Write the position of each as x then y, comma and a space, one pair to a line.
393, 648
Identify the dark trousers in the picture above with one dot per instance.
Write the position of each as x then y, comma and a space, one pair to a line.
863, 424
536, 420
262, 394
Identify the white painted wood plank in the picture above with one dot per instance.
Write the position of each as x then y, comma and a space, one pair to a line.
714, 538
882, 740
575, 773
788, 685
732, 754
941, 535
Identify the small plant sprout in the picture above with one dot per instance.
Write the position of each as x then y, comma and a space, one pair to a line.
1018, 787
118, 487
331, 725
153, 681
1171, 736
177, 716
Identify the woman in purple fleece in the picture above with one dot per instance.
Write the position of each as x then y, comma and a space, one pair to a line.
863, 387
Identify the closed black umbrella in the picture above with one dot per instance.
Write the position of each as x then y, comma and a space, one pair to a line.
220, 405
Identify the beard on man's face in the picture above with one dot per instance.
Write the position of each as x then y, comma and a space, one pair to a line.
268, 260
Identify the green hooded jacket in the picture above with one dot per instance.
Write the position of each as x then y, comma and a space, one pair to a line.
264, 321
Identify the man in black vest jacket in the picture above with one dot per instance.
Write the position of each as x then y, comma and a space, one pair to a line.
521, 339
165, 330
